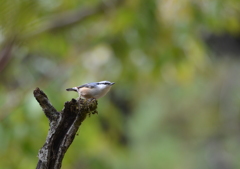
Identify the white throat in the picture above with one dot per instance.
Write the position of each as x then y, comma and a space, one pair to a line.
102, 90
103, 87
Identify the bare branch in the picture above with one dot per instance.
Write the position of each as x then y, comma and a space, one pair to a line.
47, 107
63, 128
73, 17
6, 53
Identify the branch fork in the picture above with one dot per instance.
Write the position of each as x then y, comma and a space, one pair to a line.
63, 128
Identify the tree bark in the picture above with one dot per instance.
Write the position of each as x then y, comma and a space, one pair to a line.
63, 128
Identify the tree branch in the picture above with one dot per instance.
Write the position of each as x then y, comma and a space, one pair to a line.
6, 52
56, 22
47, 107
63, 128
73, 17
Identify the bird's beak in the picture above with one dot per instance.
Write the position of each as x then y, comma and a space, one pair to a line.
112, 83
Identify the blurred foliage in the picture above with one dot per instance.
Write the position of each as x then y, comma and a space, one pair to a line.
175, 104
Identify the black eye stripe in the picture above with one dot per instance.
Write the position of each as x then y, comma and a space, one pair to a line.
103, 83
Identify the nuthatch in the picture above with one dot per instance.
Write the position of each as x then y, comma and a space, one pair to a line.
93, 90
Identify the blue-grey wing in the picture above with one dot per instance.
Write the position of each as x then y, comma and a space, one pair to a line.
88, 85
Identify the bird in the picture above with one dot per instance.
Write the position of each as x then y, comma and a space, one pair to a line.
94, 90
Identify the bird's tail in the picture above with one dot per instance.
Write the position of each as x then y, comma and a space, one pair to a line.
72, 89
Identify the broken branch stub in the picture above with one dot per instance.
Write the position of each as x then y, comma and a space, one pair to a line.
63, 128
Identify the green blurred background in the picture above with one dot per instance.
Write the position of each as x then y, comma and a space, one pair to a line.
176, 101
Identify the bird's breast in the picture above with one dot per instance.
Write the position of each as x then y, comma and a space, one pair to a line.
93, 92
